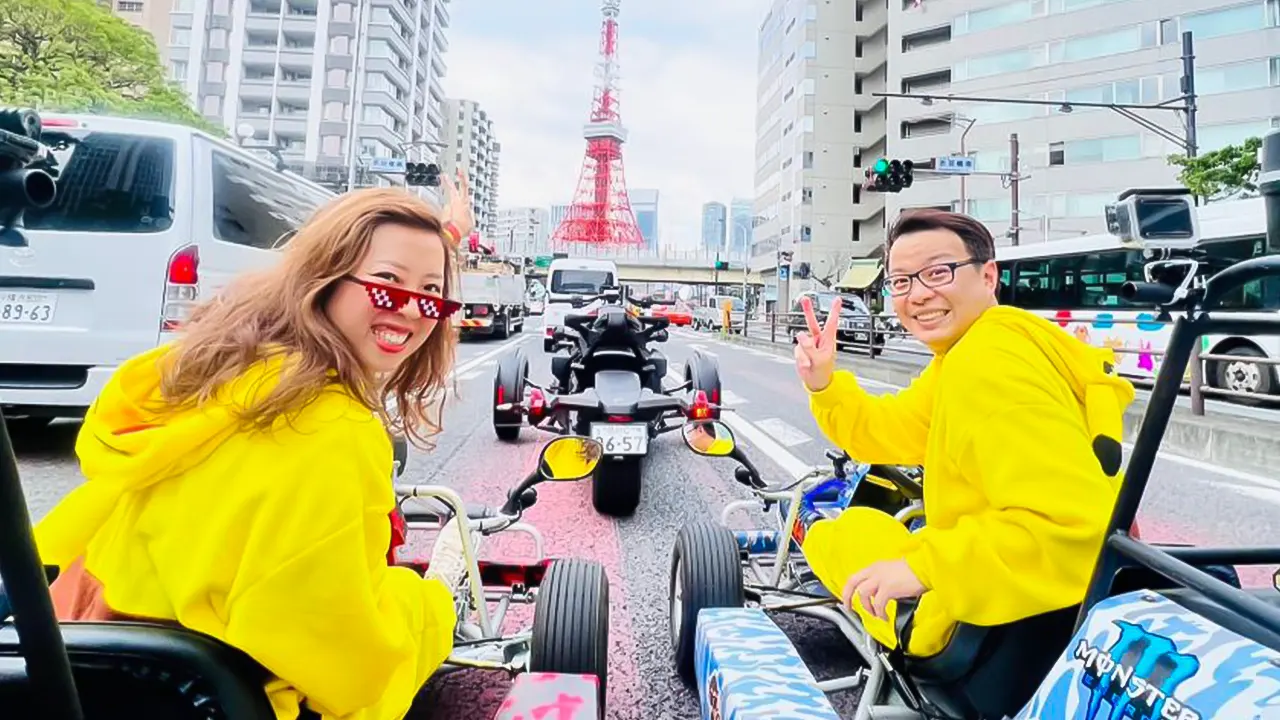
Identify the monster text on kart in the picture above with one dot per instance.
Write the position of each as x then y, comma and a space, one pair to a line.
162, 671
1163, 632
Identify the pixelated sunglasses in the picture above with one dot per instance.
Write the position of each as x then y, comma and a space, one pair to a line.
392, 298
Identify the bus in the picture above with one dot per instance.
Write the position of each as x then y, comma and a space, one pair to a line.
1076, 283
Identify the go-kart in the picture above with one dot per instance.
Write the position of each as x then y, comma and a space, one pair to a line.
158, 670
609, 387
1162, 632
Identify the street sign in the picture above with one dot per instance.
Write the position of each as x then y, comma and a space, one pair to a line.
954, 165
542, 261
784, 272
386, 165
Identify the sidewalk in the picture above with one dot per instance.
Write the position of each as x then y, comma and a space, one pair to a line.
1244, 444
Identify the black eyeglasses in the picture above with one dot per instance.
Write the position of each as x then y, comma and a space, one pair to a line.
933, 276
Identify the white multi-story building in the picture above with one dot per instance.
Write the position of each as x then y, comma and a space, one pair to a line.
287, 69
523, 231
817, 124
469, 143
1073, 159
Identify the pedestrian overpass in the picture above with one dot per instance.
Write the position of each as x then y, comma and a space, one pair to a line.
679, 266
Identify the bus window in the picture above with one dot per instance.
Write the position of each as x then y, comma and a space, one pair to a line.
1048, 284
1102, 275
1258, 295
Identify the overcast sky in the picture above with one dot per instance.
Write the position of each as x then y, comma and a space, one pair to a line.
688, 81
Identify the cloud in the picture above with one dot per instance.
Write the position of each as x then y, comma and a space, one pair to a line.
688, 98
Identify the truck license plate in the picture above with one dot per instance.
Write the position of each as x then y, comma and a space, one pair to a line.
27, 307
622, 439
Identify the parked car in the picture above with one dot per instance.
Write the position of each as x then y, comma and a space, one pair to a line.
679, 314
858, 329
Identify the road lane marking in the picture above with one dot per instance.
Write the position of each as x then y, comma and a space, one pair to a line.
783, 432
475, 362
731, 399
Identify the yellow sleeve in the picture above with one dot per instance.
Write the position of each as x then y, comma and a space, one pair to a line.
1033, 549
883, 429
314, 600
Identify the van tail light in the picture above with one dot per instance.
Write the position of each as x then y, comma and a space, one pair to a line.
700, 409
182, 287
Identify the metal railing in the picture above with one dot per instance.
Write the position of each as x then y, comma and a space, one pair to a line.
780, 327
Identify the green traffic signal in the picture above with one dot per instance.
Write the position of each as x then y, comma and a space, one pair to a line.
881, 166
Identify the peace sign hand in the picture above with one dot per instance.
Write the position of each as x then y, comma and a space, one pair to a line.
816, 349
458, 203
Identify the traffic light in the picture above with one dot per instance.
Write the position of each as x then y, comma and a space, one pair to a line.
722, 264
889, 175
422, 174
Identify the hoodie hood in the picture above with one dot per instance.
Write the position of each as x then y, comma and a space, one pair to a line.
125, 445
1089, 370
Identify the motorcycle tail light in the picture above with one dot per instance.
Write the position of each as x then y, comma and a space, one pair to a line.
700, 409
537, 405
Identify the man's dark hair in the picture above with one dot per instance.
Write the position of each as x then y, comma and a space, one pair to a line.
976, 237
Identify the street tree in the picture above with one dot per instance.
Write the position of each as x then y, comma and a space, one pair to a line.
76, 56
1223, 173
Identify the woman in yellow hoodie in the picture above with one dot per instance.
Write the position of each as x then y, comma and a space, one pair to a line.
1017, 424
238, 481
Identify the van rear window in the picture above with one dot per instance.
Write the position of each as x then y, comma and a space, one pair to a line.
108, 183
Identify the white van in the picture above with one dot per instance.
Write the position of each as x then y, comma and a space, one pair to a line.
568, 277
149, 218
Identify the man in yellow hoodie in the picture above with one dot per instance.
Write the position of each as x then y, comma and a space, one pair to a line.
1017, 424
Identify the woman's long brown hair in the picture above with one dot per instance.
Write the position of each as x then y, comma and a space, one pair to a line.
282, 308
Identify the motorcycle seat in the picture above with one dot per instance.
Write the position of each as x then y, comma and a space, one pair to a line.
431, 510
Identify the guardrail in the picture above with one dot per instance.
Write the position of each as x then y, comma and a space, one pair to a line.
780, 326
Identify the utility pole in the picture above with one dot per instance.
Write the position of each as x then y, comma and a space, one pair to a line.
357, 93
1191, 146
1014, 231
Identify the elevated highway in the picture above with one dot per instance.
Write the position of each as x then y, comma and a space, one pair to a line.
680, 266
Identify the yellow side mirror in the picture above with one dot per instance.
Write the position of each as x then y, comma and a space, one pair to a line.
709, 437
570, 458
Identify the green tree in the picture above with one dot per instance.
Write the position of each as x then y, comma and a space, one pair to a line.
1222, 173
76, 56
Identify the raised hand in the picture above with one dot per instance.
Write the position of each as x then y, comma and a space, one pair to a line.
457, 199
816, 349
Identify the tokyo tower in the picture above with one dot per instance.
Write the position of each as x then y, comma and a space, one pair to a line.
601, 211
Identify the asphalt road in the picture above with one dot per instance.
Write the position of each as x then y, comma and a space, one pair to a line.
1186, 502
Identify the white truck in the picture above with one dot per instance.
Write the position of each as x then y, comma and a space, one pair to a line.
568, 277
492, 296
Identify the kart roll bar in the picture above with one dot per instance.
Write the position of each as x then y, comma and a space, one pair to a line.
1257, 619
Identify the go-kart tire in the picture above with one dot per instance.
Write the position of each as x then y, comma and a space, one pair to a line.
704, 372
571, 622
509, 381
706, 568
616, 486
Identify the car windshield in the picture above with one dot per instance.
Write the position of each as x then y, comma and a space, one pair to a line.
852, 303
580, 282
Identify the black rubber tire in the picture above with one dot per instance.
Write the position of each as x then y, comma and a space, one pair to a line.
616, 487
710, 576
571, 622
704, 371
511, 375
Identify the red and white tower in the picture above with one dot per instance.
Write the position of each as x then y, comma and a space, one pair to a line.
601, 211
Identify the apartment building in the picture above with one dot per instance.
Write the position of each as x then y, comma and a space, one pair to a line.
469, 143
816, 125
1073, 159
523, 231
286, 70
149, 15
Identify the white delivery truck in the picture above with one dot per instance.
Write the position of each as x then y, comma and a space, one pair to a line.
492, 297
568, 277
